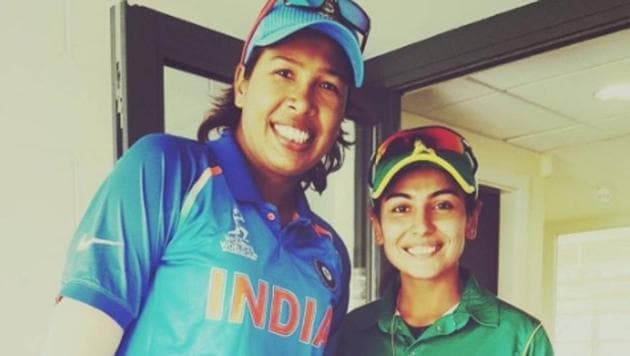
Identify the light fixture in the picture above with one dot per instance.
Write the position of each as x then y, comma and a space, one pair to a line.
614, 92
603, 194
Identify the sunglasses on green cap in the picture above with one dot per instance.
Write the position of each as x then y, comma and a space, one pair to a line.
436, 145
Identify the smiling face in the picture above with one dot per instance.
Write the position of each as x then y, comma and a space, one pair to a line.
292, 105
423, 224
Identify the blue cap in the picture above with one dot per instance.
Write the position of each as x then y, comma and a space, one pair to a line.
284, 21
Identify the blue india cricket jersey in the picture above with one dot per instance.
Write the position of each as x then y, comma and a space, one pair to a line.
180, 249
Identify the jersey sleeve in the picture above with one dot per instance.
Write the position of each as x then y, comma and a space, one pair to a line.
120, 239
538, 343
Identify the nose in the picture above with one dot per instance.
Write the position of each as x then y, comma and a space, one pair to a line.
300, 99
422, 223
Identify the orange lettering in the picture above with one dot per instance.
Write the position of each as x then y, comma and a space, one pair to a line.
322, 333
282, 296
216, 292
309, 318
243, 294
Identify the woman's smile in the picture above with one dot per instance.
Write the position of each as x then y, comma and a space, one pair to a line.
292, 134
424, 250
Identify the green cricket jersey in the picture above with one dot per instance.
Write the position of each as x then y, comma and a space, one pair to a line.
480, 325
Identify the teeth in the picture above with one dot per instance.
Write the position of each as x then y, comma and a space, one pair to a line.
422, 250
292, 134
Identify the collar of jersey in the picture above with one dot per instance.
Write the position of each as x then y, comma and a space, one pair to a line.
236, 171
475, 302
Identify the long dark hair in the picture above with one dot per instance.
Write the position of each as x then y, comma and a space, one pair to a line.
225, 113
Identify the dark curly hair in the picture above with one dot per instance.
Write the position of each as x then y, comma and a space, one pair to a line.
225, 113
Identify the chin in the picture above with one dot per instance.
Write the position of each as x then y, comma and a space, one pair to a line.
434, 273
427, 271
422, 275
416, 272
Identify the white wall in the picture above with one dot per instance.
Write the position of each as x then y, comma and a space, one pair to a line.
55, 148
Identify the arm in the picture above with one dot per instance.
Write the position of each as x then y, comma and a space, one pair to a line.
117, 247
80, 329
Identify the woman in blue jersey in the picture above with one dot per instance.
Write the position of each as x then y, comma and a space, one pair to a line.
209, 247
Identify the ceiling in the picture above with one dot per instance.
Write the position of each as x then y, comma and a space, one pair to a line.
544, 103
540, 103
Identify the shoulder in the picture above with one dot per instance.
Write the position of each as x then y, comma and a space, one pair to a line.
513, 315
525, 326
159, 161
490, 310
159, 144
323, 228
529, 331
167, 152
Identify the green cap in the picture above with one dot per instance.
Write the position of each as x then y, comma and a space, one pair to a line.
435, 145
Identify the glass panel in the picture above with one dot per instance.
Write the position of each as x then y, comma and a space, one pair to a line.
592, 292
187, 99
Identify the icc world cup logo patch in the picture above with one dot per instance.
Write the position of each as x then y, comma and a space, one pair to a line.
325, 275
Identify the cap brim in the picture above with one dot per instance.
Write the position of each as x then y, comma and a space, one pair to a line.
381, 182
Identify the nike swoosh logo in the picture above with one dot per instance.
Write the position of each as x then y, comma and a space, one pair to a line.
87, 241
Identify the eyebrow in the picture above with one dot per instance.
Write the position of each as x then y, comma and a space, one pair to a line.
432, 195
328, 70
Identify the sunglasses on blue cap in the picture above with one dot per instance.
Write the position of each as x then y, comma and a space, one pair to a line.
350, 14
346, 12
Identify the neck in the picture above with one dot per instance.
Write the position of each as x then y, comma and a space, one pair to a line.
279, 191
422, 301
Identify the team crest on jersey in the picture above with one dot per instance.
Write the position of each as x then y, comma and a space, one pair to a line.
236, 241
325, 274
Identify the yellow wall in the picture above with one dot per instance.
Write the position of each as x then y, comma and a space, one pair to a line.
557, 199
